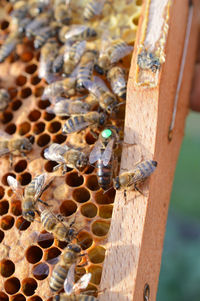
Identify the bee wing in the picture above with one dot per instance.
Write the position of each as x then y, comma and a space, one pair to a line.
95, 153
119, 53
41, 183
108, 152
92, 87
15, 186
80, 50
4, 151
5, 135
41, 269
69, 281
100, 83
75, 30
55, 152
83, 282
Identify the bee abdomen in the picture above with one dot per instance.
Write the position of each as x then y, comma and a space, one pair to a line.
72, 123
58, 277
48, 221
147, 167
104, 174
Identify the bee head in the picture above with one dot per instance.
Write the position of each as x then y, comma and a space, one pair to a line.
98, 69
116, 183
29, 215
26, 145
102, 119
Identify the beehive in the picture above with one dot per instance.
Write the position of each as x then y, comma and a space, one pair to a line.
23, 250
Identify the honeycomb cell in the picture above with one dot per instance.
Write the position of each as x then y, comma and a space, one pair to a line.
85, 240
40, 271
16, 208
51, 255
97, 254
43, 104
67, 208
35, 298
22, 224
89, 210
10, 129
100, 228
10, 192
16, 104
27, 56
2, 192
92, 183
3, 297
59, 138
13, 92
102, 197
54, 127
20, 166
34, 254
18, 297
81, 195
34, 115
48, 116
7, 117
29, 286
24, 128
62, 244
21, 80
89, 170
106, 211
43, 140
139, 2
35, 80
92, 290
4, 24
7, 268
12, 285
38, 128
73, 179
30, 69
49, 166
25, 178
26, 92
4, 206
96, 272
4, 178
90, 139
45, 239
1, 236
38, 91
7, 222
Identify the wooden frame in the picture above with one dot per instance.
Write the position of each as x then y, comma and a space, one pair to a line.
135, 242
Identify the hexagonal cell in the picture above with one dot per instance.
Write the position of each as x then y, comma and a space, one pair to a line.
89, 210
61, 244
54, 127
21, 80
97, 254
59, 138
27, 56
106, 211
35, 298
7, 222
68, 207
135, 21
10, 192
16, 208
96, 272
138, 2
40, 271
2, 191
89, 170
12, 285
13, 92
1, 236
38, 91
4, 24
29, 286
16, 104
73, 179
3, 297
25, 178
7, 117
11, 128
24, 128
30, 69
43, 140
45, 239
51, 255
26, 92
91, 290
20, 166
102, 197
7, 268
4, 206
34, 254
18, 297
38, 128
49, 166
90, 138
43, 104
48, 116
4, 178
81, 195
22, 224
92, 183
100, 228
85, 240
35, 80
34, 115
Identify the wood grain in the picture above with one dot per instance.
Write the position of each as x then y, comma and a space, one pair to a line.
138, 226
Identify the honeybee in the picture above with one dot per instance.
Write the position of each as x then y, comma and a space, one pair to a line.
9, 45
103, 154
67, 107
111, 53
59, 60
100, 91
37, 23
31, 195
14, 146
148, 60
62, 32
129, 180
79, 122
22, 24
79, 33
71, 255
44, 34
66, 156
33, 7
73, 55
20, 9
72, 289
85, 68
92, 9
62, 12
116, 77
48, 53
4, 99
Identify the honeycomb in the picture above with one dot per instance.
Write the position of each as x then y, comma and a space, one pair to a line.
27, 252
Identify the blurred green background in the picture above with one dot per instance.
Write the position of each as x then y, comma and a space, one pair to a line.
180, 270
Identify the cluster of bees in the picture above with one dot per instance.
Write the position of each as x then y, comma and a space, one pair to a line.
80, 60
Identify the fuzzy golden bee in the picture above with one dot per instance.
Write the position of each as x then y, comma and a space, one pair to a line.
72, 56
116, 77
66, 107
62, 12
37, 23
4, 99
9, 45
80, 33
44, 34
59, 60
93, 9
79, 122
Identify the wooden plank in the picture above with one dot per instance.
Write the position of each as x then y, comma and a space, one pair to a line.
137, 230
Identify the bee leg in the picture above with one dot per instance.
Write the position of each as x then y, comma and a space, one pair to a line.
140, 191
56, 167
125, 196
44, 203
82, 265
